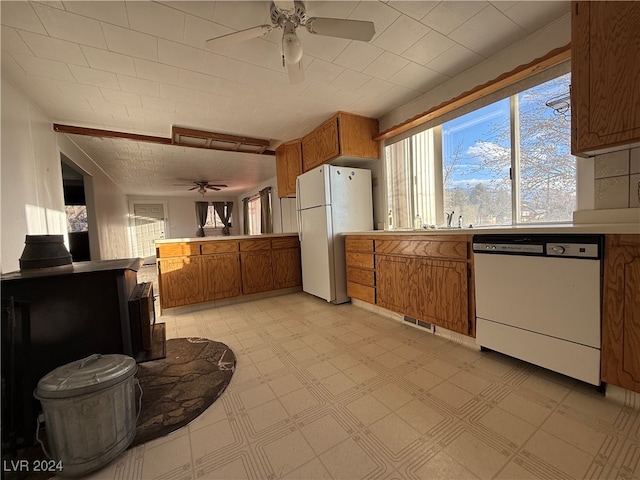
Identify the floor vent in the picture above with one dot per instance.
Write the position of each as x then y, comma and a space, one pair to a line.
418, 324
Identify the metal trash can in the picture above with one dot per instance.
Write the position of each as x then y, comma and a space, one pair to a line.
90, 411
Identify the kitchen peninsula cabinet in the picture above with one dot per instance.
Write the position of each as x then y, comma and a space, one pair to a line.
621, 312
428, 278
288, 167
605, 67
344, 134
257, 267
197, 271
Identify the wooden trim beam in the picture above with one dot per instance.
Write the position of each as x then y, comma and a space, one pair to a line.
222, 137
96, 132
552, 58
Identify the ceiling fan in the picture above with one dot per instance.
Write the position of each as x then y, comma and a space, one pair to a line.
289, 15
203, 186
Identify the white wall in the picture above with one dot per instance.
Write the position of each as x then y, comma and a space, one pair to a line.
32, 195
107, 208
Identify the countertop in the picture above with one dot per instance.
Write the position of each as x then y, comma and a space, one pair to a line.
76, 268
223, 237
597, 228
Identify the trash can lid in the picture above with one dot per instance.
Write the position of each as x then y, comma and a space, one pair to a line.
91, 374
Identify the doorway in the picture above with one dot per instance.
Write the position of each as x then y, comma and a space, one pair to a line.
148, 226
75, 204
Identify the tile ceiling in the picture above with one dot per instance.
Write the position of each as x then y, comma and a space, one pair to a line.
141, 67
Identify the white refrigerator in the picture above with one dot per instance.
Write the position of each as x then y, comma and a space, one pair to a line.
330, 200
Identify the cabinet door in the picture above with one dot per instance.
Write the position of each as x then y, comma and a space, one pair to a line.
392, 283
356, 136
621, 317
439, 293
257, 274
288, 167
321, 145
220, 276
180, 281
287, 271
605, 65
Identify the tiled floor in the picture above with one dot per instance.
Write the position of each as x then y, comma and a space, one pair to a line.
325, 391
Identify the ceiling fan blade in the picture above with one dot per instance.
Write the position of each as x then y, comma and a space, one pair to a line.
285, 5
192, 188
296, 73
342, 28
239, 36
216, 185
213, 188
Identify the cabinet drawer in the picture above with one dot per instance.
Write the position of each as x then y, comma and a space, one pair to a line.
178, 249
286, 242
358, 244
251, 245
363, 260
229, 246
363, 277
366, 294
455, 250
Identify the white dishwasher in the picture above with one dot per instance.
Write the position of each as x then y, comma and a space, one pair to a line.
538, 299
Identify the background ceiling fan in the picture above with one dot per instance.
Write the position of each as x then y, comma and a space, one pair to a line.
202, 186
289, 15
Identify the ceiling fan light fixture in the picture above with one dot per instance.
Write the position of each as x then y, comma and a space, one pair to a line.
202, 190
291, 45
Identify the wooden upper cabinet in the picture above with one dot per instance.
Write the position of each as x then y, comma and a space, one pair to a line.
288, 167
605, 66
344, 134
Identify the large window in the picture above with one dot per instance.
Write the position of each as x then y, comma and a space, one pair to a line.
213, 219
506, 163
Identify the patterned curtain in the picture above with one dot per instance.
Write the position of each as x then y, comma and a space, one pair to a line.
224, 209
266, 221
245, 215
202, 208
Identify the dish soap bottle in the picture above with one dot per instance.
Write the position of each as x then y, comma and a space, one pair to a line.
390, 220
417, 223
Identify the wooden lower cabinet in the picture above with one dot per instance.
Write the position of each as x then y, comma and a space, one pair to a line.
180, 281
287, 268
226, 268
361, 276
221, 276
392, 283
621, 312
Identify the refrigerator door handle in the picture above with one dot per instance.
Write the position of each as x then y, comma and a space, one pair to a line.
298, 213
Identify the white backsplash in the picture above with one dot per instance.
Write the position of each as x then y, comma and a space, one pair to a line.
617, 180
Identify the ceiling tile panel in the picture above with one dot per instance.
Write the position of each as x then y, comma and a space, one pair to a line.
428, 47
258, 76
386, 65
98, 78
332, 9
178, 94
113, 11
257, 51
129, 42
13, 43
417, 77
321, 71
43, 46
350, 80
108, 107
197, 8
455, 60
69, 26
534, 15
156, 19
381, 14
139, 86
22, 16
358, 55
160, 104
415, 10
198, 30
197, 81
403, 33
241, 15
179, 55
156, 71
109, 61
487, 32
447, 16
44, 68
222, 67
123, 98
374, 88
71, 90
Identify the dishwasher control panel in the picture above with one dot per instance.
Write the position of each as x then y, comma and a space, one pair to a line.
582, 250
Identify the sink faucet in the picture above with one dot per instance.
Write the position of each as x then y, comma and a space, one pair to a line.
449, 217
